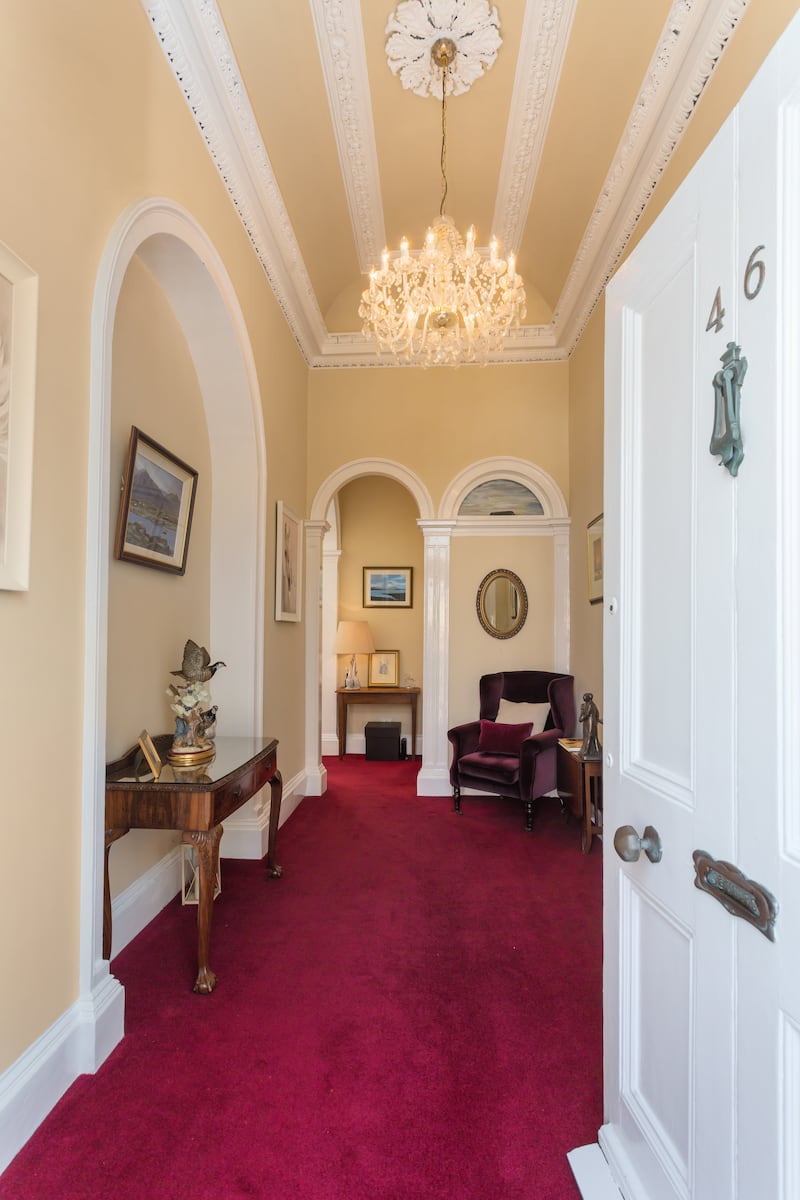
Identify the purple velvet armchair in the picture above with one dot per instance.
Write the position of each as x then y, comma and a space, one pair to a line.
499, 759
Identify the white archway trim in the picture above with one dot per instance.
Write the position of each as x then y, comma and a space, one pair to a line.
371, 466
194, 278
321, 710
519, 470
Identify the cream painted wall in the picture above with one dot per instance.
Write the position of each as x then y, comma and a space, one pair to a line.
151, 613
379, 528
759, 29
100, 123
436, 423
473, 652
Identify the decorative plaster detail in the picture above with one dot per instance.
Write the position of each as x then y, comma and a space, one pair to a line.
417, 24
193, 39
340, 37
694, 38
545, 33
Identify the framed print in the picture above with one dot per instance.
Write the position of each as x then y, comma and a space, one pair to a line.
150, 753
19, 291
155, 512
387, 587
594, 559
288, 564
384, 668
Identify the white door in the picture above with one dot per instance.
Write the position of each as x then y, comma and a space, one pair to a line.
702, 688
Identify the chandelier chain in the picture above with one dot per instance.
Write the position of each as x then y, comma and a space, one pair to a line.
443, 159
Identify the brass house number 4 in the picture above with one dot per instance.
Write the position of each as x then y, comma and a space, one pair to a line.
726, 439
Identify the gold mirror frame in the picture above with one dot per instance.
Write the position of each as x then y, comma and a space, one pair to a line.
519, 609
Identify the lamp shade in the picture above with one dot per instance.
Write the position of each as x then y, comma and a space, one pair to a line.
354, 637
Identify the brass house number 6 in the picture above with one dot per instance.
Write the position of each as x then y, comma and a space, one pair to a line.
726, 438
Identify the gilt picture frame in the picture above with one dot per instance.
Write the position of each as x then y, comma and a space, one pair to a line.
156, 506
594, 559
19, 299
152, 757
388, 587
288, 564
384, 668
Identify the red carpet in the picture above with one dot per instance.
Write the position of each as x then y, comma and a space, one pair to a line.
412, 1013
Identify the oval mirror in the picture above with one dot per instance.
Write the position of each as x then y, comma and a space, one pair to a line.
502, 603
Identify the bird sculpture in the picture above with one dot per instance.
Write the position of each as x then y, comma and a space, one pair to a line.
197, 666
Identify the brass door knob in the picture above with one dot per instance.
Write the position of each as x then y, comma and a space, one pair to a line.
629, 845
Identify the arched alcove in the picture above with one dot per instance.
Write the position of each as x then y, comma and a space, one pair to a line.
191, 273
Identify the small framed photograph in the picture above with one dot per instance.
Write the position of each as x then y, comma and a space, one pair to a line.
384, 668
387, 587
155, 513
594, 559
147, 747
288, 564
19, 291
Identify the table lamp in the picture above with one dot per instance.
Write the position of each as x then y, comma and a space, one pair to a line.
353, 637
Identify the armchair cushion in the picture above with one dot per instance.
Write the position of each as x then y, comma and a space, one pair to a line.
512, 712
502, 739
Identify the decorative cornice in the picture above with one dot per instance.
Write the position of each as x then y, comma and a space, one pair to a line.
545, 33
193, 39
691, 45
340, 37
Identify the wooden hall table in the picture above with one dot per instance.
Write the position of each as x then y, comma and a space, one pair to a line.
195, 801
580, 782
374, 695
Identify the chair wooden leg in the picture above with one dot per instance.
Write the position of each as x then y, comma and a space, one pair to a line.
528, 816
457, 799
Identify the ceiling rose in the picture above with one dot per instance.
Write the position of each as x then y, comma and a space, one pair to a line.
416, 25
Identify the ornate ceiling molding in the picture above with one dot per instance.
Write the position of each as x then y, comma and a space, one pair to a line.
416, 25
193, 39
192, 36
694, 37
340, 37
545, 33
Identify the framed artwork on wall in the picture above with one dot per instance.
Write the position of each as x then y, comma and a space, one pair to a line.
388, 587
594, 559
155, 511
384, 668
19, 292
288, 564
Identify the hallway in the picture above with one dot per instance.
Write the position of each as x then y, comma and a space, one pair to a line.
413, 1012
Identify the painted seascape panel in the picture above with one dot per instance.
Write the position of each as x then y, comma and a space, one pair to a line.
501, 498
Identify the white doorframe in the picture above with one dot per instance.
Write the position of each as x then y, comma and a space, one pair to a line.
195, 281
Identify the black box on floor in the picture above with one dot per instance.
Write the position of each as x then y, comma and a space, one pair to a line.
383, 740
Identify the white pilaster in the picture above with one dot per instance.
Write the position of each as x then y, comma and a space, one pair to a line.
433, 778
561, 607
316, 774
330, 608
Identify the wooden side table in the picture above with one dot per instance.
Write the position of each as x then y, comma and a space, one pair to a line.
375, 695
580, 784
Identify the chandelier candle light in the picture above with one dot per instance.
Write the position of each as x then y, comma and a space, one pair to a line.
451, 303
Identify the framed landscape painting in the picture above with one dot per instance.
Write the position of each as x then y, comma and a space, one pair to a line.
594, 559
387, 587
155, 512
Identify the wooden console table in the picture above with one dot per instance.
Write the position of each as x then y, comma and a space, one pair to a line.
195, 801
374, 695
580, 783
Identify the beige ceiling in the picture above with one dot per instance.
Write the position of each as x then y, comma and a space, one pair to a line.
555, 149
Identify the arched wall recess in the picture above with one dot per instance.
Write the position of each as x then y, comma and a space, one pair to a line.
321, 626
192, 275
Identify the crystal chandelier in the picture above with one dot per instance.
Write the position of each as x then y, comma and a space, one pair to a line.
450, 303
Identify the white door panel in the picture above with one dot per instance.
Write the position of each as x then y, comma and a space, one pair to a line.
702, 661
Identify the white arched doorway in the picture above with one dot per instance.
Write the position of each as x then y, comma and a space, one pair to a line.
183, 260
321, 583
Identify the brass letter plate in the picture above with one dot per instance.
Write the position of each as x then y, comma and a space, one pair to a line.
741, 897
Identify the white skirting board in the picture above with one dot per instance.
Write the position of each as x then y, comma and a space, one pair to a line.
592, 1174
